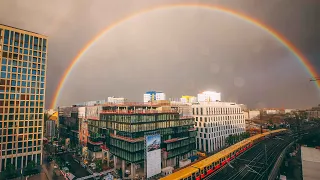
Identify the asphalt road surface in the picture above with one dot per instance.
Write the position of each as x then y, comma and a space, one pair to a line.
75, 168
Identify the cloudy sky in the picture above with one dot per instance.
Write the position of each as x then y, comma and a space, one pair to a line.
180, 51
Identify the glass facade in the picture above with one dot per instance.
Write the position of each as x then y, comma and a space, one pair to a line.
23, 57
124, 132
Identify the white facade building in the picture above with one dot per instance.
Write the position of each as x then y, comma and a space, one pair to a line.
215, 121
153, 96
209, 96
254, 115
116, 100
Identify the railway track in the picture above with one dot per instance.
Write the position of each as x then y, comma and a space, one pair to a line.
254, 164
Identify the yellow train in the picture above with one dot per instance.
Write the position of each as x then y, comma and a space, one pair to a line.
207, 166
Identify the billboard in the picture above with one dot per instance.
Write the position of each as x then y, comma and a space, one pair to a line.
153, 154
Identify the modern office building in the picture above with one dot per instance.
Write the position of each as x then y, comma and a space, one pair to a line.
23, 57
215, 121
123, 128
209, 96
151, 96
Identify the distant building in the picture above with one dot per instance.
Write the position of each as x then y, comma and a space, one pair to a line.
151, 96
116, 100
243, 107
209, 96
215, 121
271, 111
253, 115
50, 128
188, 99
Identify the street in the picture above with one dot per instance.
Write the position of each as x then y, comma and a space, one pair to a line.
75, 168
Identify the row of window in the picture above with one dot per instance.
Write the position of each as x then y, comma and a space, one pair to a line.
138, 118
21, 150
26, 100
16, 56
24, 40
181, 150
219, 118
148, 126
214, 134
215, 110
220, 124
25, 64
20, 130
24, 71
24, 51
31, 110
8, 124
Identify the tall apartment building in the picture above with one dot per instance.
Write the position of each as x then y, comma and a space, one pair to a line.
215, 121
151, 96
123, 127
23, 57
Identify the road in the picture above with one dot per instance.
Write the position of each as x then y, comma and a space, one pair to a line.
75, 168
252, 164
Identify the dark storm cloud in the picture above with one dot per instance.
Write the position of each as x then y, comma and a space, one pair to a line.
177, 51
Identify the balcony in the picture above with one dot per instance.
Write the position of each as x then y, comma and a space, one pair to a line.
127, 138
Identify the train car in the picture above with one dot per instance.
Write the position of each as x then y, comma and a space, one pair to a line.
211, 164
184, 174
279, 132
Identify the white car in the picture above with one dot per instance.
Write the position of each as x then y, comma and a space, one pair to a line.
92, 165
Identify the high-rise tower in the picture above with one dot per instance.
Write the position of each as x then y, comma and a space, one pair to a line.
23, 57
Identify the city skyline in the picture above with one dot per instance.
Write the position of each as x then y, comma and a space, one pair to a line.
244, 63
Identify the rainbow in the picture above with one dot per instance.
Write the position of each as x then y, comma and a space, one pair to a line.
303, 60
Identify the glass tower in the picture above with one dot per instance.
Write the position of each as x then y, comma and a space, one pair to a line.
23, 57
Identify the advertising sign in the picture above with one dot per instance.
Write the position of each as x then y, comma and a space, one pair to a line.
153, 154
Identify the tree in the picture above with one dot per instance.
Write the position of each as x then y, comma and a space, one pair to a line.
10, 171
31, 165
99, 165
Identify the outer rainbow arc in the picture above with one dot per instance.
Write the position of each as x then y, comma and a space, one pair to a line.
272, 32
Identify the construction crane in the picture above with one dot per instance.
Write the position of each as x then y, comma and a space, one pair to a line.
315, 79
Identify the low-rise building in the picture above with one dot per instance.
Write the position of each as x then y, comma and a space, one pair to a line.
117, 100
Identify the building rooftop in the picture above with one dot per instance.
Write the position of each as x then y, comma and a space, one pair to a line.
11, 27
310, 163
